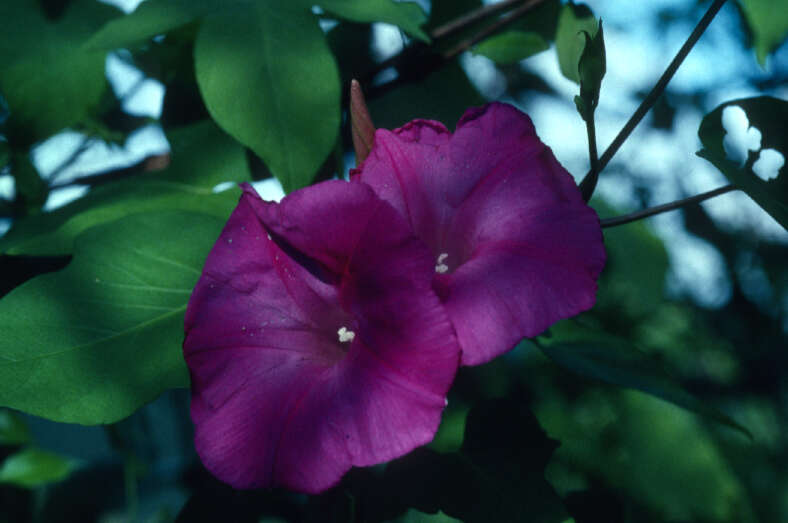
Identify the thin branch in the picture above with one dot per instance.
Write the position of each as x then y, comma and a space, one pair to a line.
491, 29
425, 61
660, 86
88, 141
651, 211
471, 17
151, 163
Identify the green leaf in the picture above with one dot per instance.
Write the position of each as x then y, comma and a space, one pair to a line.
92, 343
268, 79
33, 468
770, 116
409, 16
610, 360
511, 46
569, 39
202, 156
637, 262
653, 454
13, 429
151, 18
48, 80
769, 25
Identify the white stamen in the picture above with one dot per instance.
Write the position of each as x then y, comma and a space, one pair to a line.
441, 267
345, 335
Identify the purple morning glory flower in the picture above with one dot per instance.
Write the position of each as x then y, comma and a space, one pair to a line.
514, 246
315, 341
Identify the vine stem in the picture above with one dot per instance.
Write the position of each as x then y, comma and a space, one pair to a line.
461, 22
491, 29
660, 86
651, 211
588, 184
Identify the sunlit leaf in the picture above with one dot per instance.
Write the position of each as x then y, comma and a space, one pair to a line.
769, 24
617, 362
95, 341
33, 468
268, 78
407, 15
510, 47
13, 429
770, 116
569, 39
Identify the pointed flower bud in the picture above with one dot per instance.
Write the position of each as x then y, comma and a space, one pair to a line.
361, 123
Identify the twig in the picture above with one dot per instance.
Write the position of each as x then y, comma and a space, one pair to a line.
651, 211
461, 22
88, 141
151, 163
491, 29
430, 62
661, 84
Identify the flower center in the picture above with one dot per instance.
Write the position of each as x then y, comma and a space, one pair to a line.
441, 267
345, 335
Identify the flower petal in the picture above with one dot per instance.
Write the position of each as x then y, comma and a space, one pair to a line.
277, 399
516, 248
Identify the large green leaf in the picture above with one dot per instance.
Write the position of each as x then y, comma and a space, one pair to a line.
569, 39
92, 343
202, 156
407, 15
33, 468
269, 79
614, 361
770, 116
769, 24
48, 80
510, 47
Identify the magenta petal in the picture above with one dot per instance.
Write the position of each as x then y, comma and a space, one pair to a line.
277, 398
515, 247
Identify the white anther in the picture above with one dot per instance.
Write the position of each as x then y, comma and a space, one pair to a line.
441, 267
345, 335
